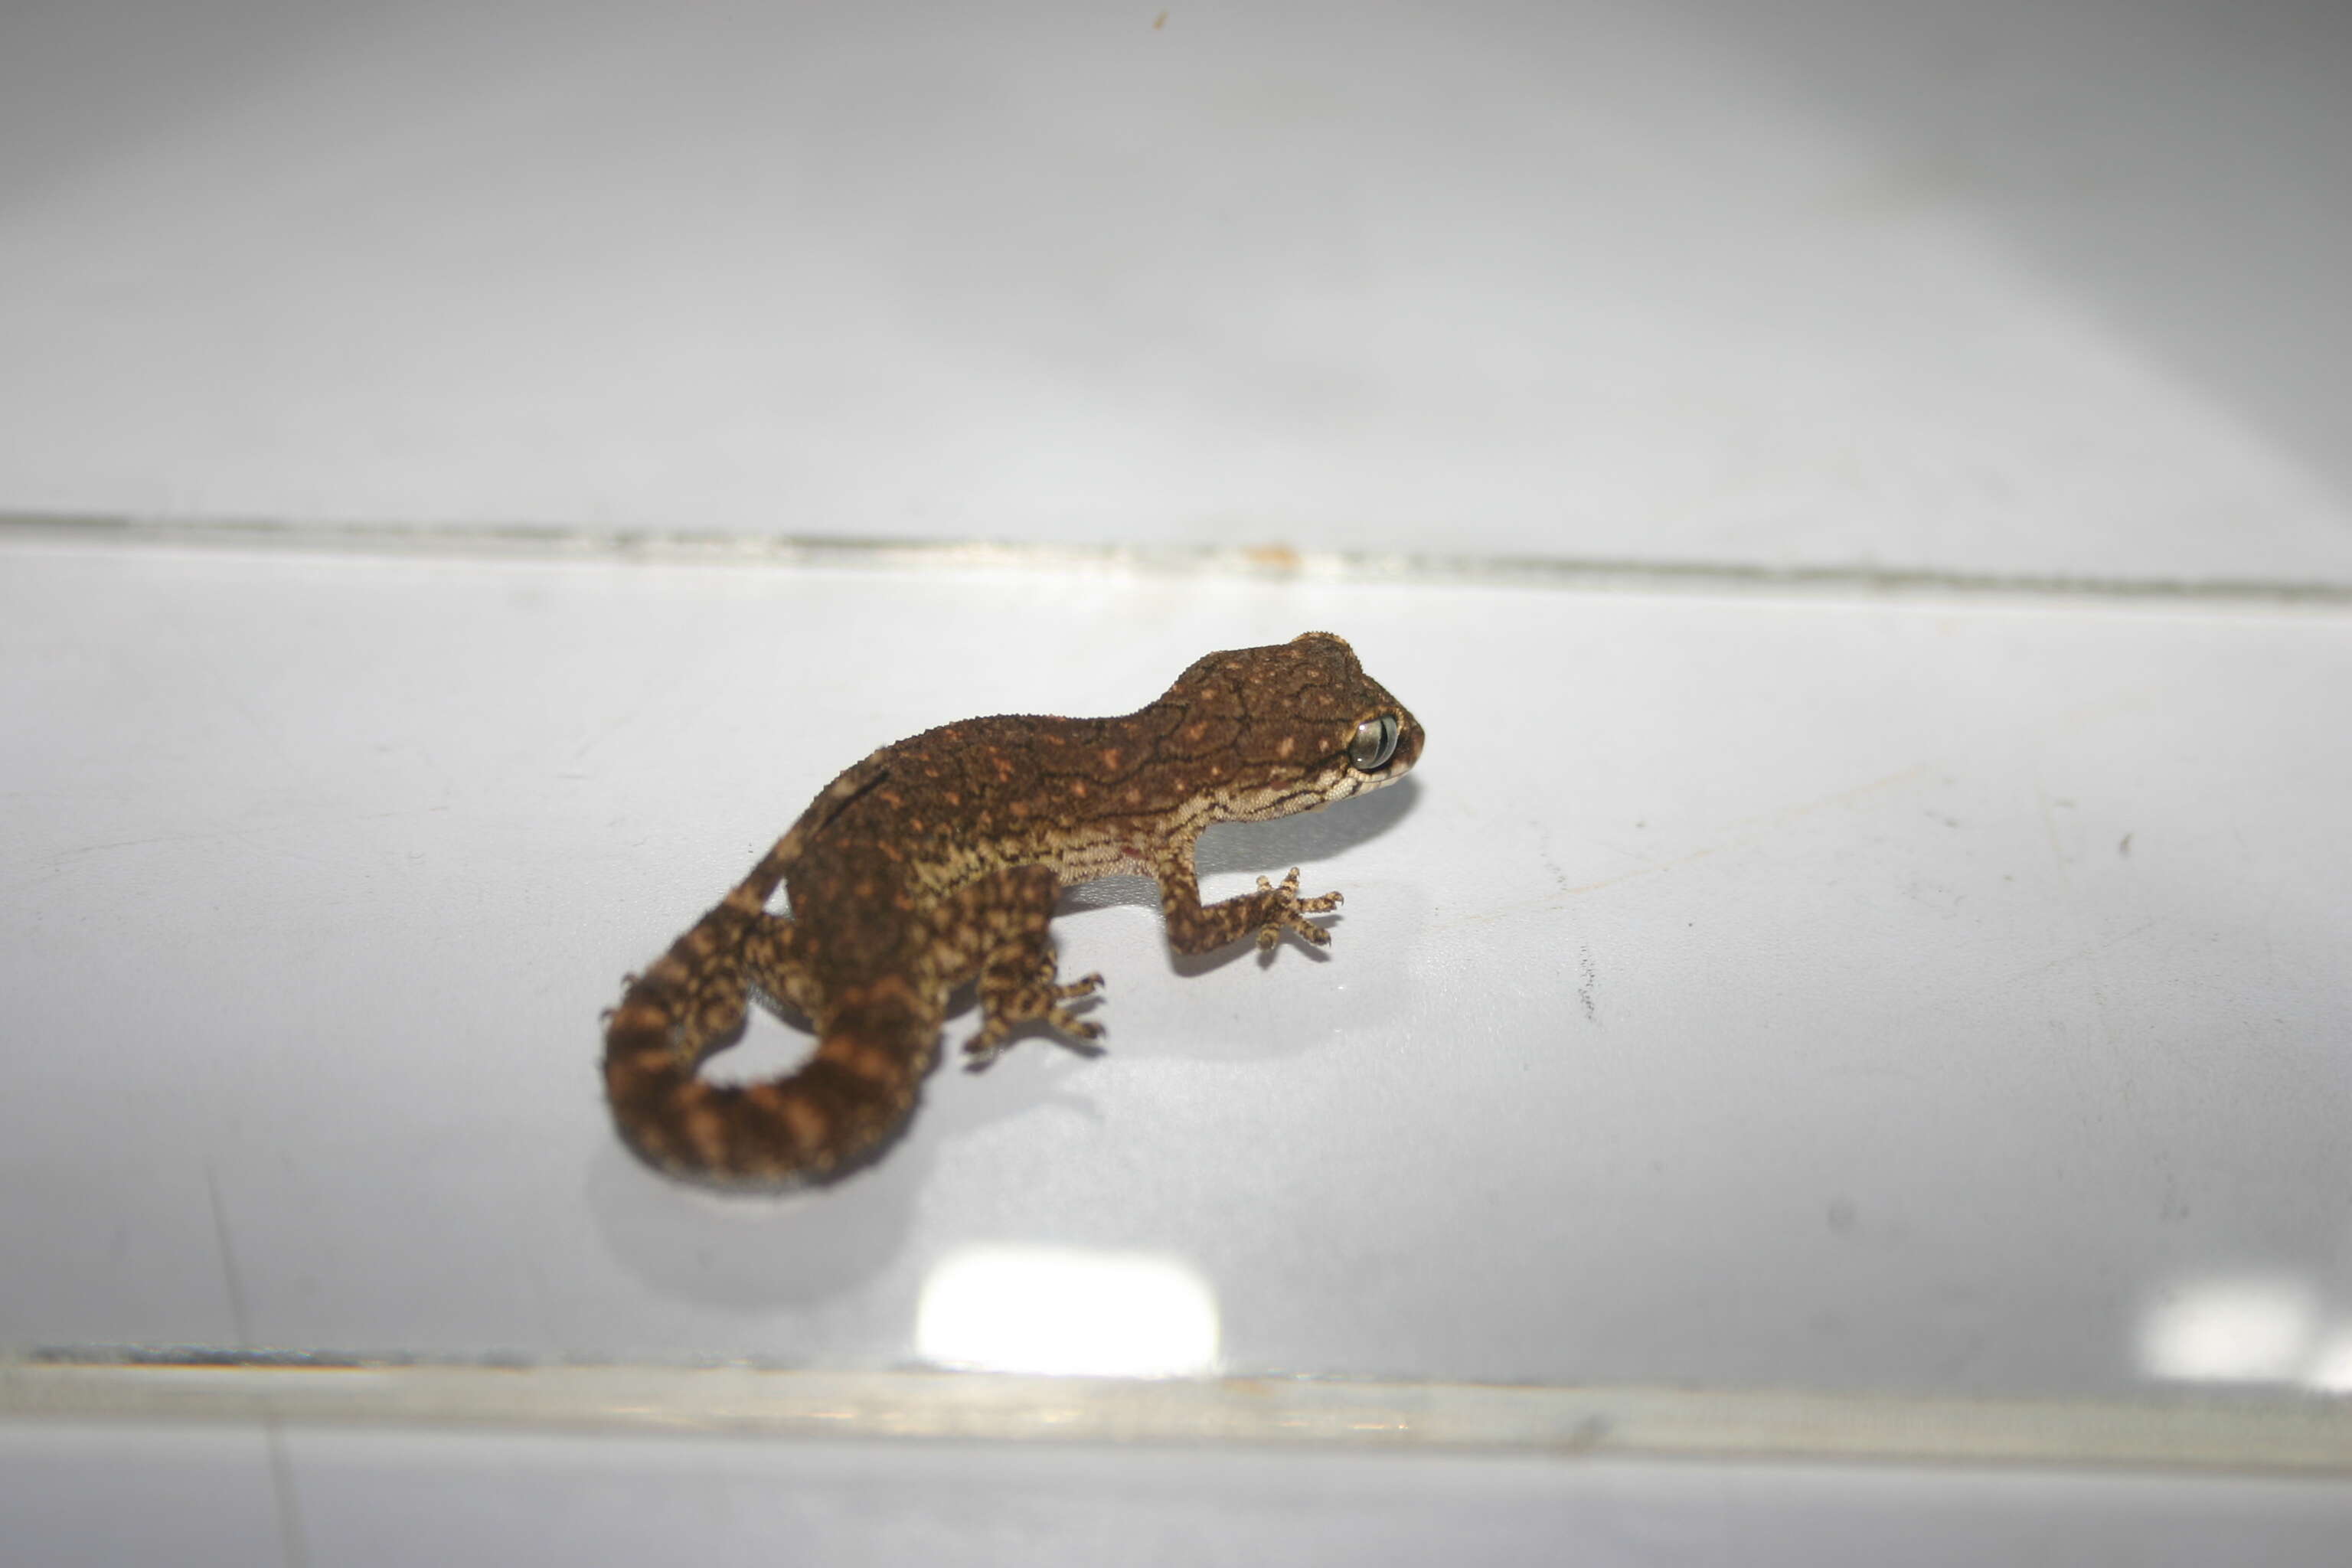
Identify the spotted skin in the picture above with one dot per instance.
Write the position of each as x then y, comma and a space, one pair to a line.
935, 862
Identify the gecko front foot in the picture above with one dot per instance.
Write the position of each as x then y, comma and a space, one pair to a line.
1289, 912
1005, 1007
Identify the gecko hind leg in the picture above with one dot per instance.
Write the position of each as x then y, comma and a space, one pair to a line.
1004, 918
1037, 998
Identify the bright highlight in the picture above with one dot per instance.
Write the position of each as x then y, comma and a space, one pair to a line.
1067, 1311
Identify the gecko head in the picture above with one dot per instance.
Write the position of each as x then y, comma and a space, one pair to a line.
1294, 726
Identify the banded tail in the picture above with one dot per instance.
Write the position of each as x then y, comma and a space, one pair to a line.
874, 1046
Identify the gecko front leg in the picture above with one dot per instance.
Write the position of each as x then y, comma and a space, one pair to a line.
1195, 927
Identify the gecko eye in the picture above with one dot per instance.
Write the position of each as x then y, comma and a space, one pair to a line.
1375, 742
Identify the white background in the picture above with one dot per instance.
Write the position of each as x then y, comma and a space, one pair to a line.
1921, 994
1997, 286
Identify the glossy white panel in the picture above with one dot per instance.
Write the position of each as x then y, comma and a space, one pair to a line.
195, 1496
122, 1493
117, 1493
1995, 286
1750, 990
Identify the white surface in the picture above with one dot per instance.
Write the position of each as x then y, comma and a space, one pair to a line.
2004, 286
114, 1493
205, 1495
1797, 994
1749, 990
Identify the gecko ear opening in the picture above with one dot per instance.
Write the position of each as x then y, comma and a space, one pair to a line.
1375, 743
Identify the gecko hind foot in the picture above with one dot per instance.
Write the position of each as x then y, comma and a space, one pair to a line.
1038, 1000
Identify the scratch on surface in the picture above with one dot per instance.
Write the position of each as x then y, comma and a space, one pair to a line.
282, 1484
2050, 825
1841, 797
1775, 818
2089, 950
76, 851
230, 1279
290, 1543
252, 837
1559, 896
1692, 858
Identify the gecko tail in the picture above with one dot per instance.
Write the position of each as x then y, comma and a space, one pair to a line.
839, 1111
834, 1115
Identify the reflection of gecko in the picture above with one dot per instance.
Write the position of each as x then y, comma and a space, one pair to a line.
936, 861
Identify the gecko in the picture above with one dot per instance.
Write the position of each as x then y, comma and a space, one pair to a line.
935, 862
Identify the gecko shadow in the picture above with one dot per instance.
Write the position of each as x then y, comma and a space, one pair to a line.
1267, 848
753, 1252
757, 1252
1311, 834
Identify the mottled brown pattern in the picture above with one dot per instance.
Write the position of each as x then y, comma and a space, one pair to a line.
937, 861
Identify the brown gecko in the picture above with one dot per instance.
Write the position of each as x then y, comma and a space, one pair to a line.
936, 861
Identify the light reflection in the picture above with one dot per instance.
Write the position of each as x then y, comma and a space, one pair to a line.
2331, 1369
1067, 1311
2255, 1329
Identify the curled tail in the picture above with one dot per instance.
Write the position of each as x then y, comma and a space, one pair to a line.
838, 1112
841, 1108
